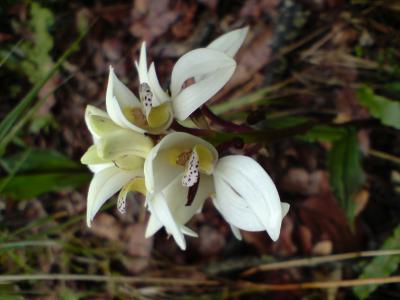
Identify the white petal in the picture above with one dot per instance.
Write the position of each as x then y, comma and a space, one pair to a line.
115, 88
176, 197
245, 177
197, 62
236, 232
234, 208
230, 42
158, 206
285, 208
99, 167
158, 170
142, 66
103, 185
153, 225
118, 97
160, 95
93, 111
189, 232
194, 96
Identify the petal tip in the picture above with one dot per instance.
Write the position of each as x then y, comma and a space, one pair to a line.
182, 244
274, 235
148, 233
88, 221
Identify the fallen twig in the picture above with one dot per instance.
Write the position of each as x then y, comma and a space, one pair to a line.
313, 261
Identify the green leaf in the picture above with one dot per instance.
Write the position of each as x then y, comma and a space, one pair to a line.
324, 133
39, 161
346, 175
35, 172
28, 186
387, 111
380, 266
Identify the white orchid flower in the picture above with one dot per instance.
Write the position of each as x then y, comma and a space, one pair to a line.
116, 159
208, 68
247, 197
181, 164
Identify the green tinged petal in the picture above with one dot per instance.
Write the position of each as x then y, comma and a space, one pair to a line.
101, 126
123, 142
91, 157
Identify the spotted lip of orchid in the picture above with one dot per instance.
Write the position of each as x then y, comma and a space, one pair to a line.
208, 68
240, 188
116, 159
178, 165
149, 114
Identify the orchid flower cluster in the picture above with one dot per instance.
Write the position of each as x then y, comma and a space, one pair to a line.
135, 150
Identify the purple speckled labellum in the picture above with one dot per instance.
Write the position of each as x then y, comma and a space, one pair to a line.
192, 191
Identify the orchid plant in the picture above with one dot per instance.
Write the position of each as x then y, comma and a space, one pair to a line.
134, 149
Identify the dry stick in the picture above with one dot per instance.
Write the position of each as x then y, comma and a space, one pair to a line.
307, 262
104, 278
384, 155
319, 284
249, 286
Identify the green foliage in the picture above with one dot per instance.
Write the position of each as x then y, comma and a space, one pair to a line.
380, 266
36, 172
28, 186
387, 111
324, 133
38, 61
346, 175
68, 294
43, 160
21, 113
234, 104
284, 122
393, 87
9, 292
42, 123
